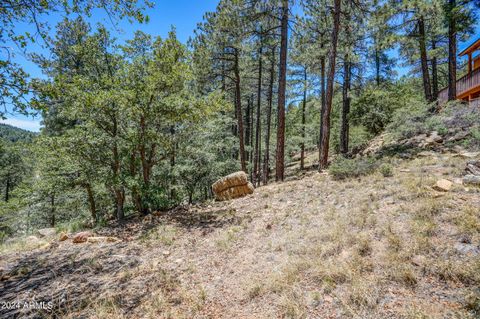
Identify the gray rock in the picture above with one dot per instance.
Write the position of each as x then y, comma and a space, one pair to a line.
467, 249
471, 180
46, 232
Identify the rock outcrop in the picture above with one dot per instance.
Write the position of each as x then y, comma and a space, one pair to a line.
81, 237
232, 186
472, 171
46, 232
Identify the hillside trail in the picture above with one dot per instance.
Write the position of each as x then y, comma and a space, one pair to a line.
310, 247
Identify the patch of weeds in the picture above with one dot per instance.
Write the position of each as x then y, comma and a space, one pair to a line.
255, 291
292, 305
363, 294
472, 301
166, 234
343, 168
435, 123
403, 273
467, 272
468, 220
394, 240
364, 247
228, 237
386, 170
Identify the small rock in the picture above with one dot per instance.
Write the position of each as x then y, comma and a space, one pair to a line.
443, 185
471, 180
63, 236
467, 249
419, 260
165, 252
32, 239
178, 261
96, 239
469, 155
46, 232
459, 136
426, 154
458, 181
81, 237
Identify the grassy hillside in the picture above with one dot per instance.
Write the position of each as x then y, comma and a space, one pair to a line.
374, 237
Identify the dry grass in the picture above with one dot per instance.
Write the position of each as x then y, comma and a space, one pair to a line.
369, 247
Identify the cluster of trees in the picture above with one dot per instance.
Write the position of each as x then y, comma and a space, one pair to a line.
146, 124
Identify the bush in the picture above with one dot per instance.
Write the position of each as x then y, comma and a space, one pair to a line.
346, 168
386, 170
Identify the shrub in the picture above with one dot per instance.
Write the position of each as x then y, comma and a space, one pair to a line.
386, 170
346, 168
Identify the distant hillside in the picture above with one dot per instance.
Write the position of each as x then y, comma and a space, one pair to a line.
14, 134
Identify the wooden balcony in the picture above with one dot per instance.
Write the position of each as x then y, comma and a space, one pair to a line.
468, 85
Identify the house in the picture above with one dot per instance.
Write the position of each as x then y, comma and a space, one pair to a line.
468, 86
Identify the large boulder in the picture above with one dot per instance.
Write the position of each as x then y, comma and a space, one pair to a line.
81, 237
232, 186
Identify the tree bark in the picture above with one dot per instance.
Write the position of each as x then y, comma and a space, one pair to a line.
377, 62
434, 73
452, 52
322, 100
258, 135
238, 111
424, 59
266, 160
91, 202
282, 83
248, 134
52, 210
325, 128
304, 106
345, 127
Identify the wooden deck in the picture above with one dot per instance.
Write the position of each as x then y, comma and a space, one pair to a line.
466, 86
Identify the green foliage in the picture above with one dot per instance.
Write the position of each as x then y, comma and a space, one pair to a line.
386, 170
375, 107
343, 168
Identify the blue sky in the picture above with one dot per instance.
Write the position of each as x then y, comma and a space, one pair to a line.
182, 14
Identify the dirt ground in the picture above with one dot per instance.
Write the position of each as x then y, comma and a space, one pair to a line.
311, 247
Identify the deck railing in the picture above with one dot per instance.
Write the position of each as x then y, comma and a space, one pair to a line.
464, 84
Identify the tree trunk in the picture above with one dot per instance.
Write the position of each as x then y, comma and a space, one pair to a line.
119, 201
238, 111
434, 73
91, 202
304, 105
52, 210
266, 160
248, 134
424, 60
258, 135
452, 52
377, 62
172, 163
322, 99
251, 155
344, 131
325, 133
282, 82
